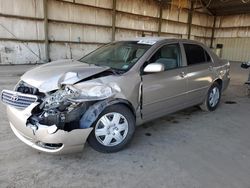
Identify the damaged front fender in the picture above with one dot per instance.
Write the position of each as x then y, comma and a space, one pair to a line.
91, 115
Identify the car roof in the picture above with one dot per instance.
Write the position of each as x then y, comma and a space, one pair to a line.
153, 40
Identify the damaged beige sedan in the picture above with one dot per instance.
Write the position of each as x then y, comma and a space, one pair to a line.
101, 97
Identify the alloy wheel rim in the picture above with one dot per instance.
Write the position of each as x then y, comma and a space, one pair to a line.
214, 97
111, 129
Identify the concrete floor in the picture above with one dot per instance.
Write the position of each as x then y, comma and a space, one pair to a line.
187, 149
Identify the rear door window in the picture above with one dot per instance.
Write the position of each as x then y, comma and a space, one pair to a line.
196, 54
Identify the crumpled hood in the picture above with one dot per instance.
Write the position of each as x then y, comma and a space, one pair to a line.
48, 77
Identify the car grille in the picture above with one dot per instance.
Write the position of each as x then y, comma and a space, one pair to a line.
16, 99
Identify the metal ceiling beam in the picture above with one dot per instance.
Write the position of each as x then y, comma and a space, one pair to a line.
230, 7
232, 10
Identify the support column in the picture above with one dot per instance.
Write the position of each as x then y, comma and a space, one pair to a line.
190, 18
213, 31
113, 19
46, 38
160, 17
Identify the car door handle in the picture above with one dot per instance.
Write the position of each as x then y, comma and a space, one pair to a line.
182, 74
210, 68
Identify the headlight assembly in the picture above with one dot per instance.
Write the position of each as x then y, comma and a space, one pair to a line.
87, 92
92, 91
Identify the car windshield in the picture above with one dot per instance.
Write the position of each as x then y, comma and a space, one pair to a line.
119, 55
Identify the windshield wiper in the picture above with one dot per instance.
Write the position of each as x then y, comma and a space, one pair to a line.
117, 71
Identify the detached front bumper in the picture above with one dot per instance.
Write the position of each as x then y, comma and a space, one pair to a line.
43, 138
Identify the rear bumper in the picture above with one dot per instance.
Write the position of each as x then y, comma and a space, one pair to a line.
43, 138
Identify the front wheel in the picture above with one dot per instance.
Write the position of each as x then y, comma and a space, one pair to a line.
213, 98
113, 129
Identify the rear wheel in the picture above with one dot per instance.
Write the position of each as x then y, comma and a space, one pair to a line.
213, 98
113, 129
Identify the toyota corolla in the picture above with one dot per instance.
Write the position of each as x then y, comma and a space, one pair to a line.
101, 97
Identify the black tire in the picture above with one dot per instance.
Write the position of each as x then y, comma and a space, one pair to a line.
127, 114
206, 106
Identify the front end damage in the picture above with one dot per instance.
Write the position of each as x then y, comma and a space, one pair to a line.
58, 121
43, 137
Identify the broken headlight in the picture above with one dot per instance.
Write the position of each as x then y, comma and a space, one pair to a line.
59, 98
82, 93
92, 91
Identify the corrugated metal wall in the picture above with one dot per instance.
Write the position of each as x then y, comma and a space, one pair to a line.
202, 27
234, 33
76, 27
235, 49
14, 30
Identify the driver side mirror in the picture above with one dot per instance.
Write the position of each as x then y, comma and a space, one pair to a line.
154, 67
